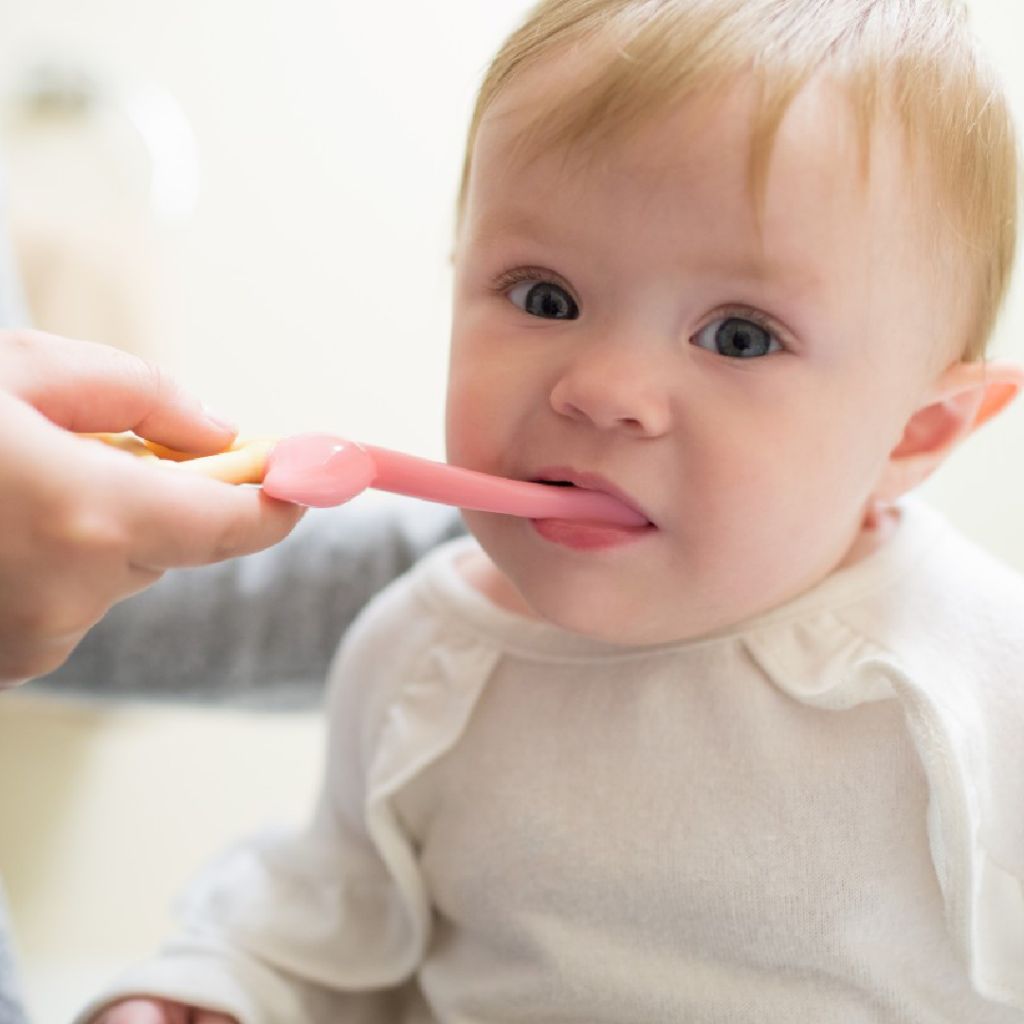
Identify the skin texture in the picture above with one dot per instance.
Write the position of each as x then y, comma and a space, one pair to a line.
762, 475
82, 525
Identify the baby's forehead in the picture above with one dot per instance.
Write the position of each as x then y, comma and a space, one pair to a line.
706, 142
831, 215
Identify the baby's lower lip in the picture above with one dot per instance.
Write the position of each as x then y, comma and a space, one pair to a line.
582, 536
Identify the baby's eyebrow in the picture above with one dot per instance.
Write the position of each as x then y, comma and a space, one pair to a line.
518, 223
746, 264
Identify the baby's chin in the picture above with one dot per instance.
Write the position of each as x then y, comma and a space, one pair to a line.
585, 610
480, 572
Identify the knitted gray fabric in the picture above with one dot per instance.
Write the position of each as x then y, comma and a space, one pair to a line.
11, 1006
256, 632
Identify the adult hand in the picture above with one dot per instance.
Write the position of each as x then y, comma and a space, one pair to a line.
158, 1011
83, 525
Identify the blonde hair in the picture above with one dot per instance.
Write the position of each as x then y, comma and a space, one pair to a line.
913, 58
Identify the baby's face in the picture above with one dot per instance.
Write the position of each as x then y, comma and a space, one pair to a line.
622, 323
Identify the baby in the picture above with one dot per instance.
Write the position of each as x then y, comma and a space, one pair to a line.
758, 760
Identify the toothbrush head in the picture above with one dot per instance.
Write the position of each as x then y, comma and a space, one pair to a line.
319, 470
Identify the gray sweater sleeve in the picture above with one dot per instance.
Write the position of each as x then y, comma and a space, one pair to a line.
259, 631
12, 314
11, 1008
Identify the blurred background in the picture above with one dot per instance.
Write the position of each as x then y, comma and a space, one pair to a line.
258, 195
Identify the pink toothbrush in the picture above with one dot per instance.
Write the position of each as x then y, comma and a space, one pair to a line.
321, 470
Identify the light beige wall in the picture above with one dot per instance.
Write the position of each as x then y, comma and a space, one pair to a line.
107, 813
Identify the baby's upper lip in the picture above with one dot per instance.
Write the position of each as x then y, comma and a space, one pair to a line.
589, 482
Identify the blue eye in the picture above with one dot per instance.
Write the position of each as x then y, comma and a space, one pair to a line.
544, 299
737, 338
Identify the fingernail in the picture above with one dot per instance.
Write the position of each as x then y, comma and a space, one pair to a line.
220, 422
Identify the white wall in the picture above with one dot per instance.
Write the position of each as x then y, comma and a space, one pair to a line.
309, 290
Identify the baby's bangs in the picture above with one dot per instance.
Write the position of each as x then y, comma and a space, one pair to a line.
646, 58
649, 55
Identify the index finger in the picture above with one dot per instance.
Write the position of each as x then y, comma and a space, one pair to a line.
157, 515
83, 386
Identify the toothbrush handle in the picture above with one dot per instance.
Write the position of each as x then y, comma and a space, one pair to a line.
466, 488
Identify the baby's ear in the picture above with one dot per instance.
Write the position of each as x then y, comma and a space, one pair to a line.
964, 396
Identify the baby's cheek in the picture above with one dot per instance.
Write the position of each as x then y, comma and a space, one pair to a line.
468, 427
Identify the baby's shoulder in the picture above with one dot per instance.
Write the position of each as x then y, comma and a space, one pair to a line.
957, 603
407, 637
971, 591
410, 613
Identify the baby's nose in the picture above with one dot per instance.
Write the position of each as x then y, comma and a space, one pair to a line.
614, 388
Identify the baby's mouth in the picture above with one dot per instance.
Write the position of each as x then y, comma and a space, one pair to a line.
598, 485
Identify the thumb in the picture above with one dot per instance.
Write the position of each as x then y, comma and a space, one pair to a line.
87, 387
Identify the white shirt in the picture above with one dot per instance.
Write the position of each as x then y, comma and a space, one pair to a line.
815, 816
